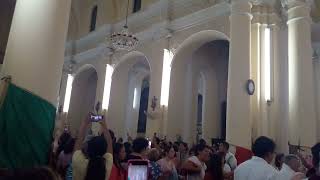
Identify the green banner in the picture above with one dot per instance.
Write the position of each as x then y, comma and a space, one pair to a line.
26, 125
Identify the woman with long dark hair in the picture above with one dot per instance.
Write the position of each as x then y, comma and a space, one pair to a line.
215, 168
97, 162
65, 157
118, 170
278, 161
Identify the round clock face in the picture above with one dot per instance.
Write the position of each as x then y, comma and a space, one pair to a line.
251, 87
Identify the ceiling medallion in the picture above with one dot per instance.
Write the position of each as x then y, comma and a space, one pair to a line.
124, 40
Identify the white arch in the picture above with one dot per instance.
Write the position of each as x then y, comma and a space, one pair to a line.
120, 97
179, 102
84, 68
194, 42
130, 57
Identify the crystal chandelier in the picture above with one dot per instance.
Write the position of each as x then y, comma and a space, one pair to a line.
124, 40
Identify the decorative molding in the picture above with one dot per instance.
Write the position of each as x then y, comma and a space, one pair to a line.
157, 31
291, 3
263, 14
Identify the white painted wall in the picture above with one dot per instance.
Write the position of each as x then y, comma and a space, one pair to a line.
282, 86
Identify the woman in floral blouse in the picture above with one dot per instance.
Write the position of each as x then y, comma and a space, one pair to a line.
154, 167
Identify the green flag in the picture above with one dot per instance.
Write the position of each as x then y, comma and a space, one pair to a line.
26, 125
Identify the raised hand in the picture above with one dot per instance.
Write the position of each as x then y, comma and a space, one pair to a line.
103, 124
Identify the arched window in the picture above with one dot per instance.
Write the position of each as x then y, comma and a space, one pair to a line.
143, 106
93, 18
136, 5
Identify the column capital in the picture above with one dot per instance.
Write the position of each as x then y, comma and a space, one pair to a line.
256, 14
292, 3
276, 20
241, 7
275, 27
266, 15
297, 10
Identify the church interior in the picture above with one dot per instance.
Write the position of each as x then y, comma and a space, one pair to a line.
182, 69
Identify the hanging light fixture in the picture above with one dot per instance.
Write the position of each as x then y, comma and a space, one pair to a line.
124, 40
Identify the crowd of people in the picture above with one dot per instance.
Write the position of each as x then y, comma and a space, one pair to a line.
104, 157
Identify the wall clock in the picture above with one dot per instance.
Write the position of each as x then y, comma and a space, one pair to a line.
251, 87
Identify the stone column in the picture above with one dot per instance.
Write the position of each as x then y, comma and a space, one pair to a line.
279, 123
302, 114
35, 51
263, 116
255, 70
238, 106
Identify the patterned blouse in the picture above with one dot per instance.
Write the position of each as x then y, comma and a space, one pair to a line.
155, 170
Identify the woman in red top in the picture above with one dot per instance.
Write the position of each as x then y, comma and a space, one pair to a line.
118, 172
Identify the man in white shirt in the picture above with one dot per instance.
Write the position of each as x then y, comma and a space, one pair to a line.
230, 159
289, 168
258, 168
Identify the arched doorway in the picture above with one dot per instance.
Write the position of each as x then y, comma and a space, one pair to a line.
129, 95
82, 96
198, 87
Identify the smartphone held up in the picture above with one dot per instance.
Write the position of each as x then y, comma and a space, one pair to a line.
96, 118
138, 170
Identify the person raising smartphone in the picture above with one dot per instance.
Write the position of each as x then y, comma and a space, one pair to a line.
97, 162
